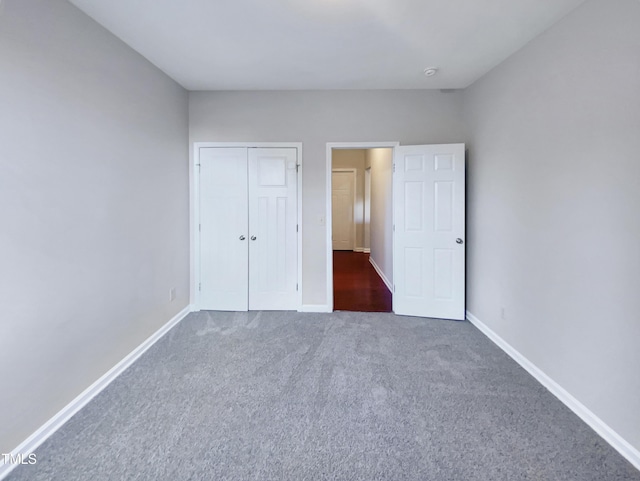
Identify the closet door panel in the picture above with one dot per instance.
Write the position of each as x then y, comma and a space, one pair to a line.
272, 229
223, 229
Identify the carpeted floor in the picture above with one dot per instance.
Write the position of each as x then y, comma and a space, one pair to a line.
342, 396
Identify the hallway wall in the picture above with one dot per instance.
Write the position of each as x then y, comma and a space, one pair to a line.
381, 163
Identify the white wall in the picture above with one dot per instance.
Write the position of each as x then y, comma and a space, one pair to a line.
381, 163
93, 207
367, 209
554, 190
318, 117
354, 159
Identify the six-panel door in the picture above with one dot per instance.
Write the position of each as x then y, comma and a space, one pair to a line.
429, 218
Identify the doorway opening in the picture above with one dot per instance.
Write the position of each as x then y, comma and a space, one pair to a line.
361, 228
423, 262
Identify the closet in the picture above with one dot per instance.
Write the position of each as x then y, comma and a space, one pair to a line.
248, 233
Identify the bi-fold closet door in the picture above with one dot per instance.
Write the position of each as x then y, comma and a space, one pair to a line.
248, 229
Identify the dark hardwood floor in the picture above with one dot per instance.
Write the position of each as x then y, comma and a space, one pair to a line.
356, 284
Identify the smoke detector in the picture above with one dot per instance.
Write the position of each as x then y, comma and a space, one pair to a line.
430, 71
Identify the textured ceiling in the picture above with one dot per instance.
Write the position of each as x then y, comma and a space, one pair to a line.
325, 44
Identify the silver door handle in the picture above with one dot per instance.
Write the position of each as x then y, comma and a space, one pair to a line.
459, 241
242, 237
253, 237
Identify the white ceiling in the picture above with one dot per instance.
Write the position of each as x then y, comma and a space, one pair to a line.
325, 44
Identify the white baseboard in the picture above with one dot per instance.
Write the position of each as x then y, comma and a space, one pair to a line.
30, 444
366, 250
358, 249
593, 421
315, 308
381, 274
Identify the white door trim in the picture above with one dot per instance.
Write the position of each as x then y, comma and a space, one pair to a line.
194, 209
328, 165
353, 205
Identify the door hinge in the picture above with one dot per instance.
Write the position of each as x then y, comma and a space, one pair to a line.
200, 286
394, 288
296, 287
394, 167
297, 228
198, 167
199, 227
297, 168
394, 227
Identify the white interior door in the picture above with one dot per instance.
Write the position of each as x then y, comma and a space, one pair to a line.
223, 229
342, 205
429, 219
273, 244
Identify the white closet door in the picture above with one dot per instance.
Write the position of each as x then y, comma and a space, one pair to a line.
429, 218
343, 196
272, 229
224, 229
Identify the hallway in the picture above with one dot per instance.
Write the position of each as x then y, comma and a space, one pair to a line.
356, 284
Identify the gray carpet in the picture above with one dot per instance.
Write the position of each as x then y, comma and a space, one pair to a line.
343, 396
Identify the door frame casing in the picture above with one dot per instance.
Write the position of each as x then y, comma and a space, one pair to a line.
328, 192
354, 199
194, 209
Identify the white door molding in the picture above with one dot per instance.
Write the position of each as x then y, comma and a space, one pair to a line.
328, 217
194, 208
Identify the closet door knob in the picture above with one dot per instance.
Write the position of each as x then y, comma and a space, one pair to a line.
242, 237
459, 241
253, 237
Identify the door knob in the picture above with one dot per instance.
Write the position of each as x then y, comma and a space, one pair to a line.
253, 237
459, 241
242, 237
